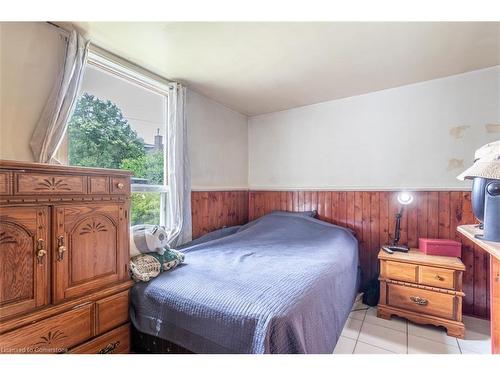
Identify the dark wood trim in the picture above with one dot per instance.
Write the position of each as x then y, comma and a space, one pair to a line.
433, 214
213, 210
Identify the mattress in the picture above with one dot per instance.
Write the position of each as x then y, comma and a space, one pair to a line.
280, 284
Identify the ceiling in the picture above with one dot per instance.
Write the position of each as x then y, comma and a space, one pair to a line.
256, 68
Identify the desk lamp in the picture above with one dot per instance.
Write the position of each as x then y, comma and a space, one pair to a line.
404, 199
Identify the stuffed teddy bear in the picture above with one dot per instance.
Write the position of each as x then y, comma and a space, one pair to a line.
148, 238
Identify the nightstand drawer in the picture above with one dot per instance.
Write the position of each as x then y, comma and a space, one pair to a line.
422, 301
400, 271
422, 288
440, 277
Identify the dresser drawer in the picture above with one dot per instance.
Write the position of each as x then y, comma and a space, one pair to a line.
400, 271
52, 335
5, 185
98, 185
30, 183
422, 301
112, 311
116, 341
120, 185
439, 277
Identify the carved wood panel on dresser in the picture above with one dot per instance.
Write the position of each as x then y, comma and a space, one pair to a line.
92, 236
63, 259
23, 259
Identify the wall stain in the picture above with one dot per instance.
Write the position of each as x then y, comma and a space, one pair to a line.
454, 164
492, 128
458, 131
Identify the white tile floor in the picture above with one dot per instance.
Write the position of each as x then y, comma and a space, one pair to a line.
365, 333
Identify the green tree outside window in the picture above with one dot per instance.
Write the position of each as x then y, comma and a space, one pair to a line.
99, 136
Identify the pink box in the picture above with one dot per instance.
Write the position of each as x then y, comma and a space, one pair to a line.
447, 248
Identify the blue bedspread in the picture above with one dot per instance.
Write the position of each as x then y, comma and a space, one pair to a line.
279, 284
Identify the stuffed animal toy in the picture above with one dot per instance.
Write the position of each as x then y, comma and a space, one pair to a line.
145, 267
148, 238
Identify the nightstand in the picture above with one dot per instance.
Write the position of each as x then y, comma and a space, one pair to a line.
424, 289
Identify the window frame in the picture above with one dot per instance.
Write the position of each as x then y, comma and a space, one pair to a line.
137, 76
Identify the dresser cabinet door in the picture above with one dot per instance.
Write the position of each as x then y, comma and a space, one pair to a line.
23, 259
90, 248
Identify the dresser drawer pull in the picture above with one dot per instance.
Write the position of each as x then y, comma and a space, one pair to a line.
419, 301
440, 278
61, 249
110, 348
40, 253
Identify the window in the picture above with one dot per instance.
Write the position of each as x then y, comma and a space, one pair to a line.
120, 121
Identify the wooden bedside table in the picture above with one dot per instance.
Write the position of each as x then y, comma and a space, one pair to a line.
425, 289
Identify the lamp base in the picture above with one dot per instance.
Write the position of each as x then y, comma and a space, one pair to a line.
400, 248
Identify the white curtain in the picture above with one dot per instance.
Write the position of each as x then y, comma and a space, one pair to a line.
51, 126
179, 172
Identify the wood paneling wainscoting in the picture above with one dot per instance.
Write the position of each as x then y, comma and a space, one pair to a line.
371, 214
217, 209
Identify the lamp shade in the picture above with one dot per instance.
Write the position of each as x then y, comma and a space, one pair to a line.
405, 198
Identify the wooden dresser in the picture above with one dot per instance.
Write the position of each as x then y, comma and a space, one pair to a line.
422, 288
492, 248
64, 254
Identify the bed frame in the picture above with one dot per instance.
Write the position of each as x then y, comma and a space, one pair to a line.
142, 343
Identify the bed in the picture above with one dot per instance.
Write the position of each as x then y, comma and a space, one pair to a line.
283, 283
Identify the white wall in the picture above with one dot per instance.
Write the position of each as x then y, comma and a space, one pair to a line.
218, 144
30, 54
415, 136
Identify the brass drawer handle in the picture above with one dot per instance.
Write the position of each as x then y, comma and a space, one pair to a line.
120, 185
419, 301
440, 278
61, 249
110, 348
40, 251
